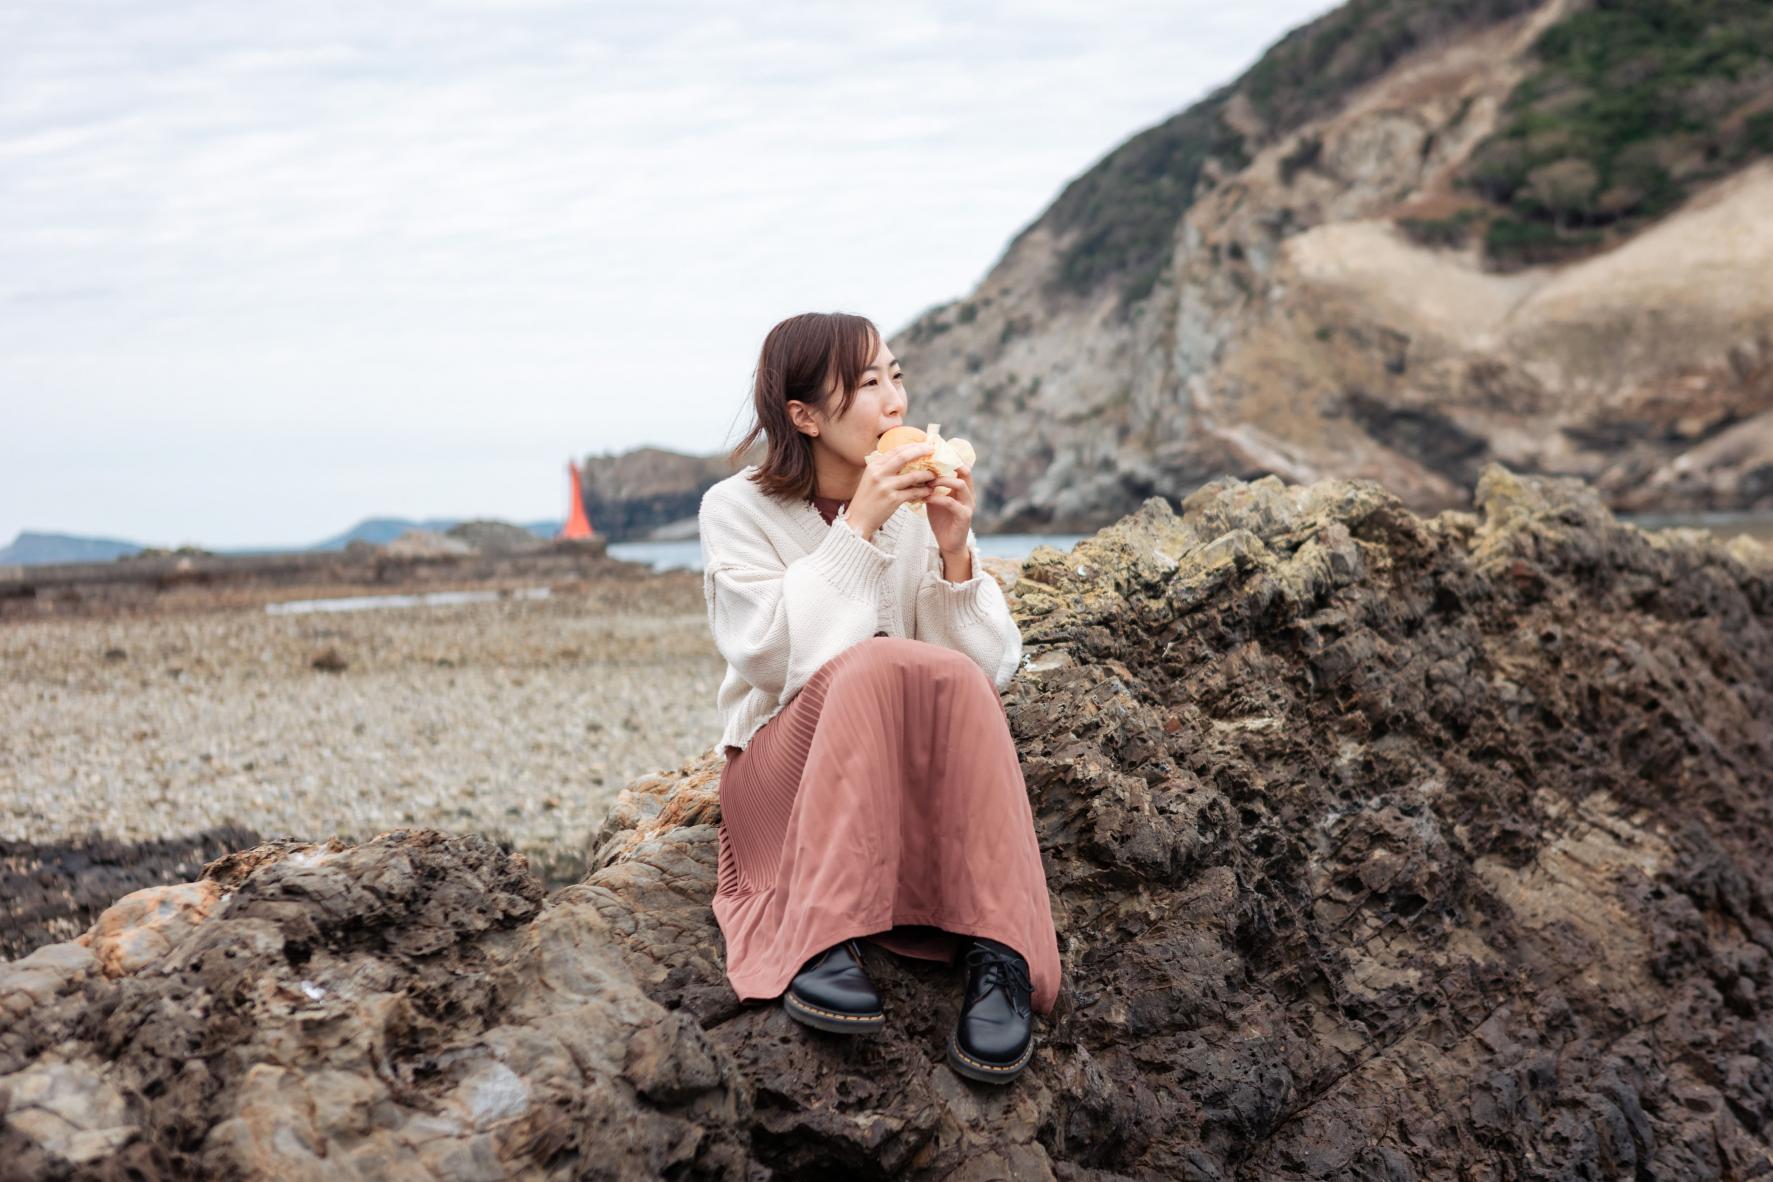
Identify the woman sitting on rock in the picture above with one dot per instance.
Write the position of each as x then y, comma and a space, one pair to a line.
871, 788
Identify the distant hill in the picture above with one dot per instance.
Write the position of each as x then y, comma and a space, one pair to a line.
31, 549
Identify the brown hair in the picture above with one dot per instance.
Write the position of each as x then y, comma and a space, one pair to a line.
800, 358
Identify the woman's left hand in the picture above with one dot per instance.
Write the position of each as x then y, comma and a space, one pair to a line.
951, 516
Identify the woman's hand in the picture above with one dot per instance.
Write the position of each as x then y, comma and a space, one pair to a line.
882, 488
951, 516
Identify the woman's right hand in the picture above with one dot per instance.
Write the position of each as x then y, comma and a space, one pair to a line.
883, 488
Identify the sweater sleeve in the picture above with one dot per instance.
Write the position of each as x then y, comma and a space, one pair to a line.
775, 624
971, 617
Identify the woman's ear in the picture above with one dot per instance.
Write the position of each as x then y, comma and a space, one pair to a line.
802, 417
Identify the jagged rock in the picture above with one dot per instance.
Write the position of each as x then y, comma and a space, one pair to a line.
144, 925
402, 1008
425, 543
494, 536
1377, 845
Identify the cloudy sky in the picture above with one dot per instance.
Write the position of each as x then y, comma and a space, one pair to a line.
269, 269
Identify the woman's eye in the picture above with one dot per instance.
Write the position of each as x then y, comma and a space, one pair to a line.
898, 377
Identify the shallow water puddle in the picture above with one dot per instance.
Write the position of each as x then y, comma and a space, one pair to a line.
357, 603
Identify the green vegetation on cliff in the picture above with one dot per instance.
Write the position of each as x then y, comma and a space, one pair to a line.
1120, 215
1309, 72
1631, 105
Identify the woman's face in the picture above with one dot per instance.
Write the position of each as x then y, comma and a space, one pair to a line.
879, 404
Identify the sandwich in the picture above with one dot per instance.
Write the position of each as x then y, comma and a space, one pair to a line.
948, 455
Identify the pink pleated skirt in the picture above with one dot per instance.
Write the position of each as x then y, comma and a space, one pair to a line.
885, 801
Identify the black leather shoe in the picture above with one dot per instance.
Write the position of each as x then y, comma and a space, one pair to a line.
994, 1038
832, 992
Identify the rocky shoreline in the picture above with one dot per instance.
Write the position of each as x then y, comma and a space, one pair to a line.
1379, 846
518, 718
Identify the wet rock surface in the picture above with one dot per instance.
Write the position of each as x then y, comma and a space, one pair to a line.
1379, 846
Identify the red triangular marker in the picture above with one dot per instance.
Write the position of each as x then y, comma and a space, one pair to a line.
577, 524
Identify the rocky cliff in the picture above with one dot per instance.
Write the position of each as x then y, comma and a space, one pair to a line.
649, 492
1379, 846
1412, 239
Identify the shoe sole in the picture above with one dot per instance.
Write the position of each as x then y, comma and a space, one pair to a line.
832, 1020
978, 1069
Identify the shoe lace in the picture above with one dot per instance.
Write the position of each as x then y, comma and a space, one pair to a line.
992, 969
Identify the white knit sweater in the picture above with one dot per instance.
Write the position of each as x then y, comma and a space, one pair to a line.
786, 593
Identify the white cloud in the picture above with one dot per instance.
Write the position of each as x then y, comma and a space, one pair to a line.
359, 240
